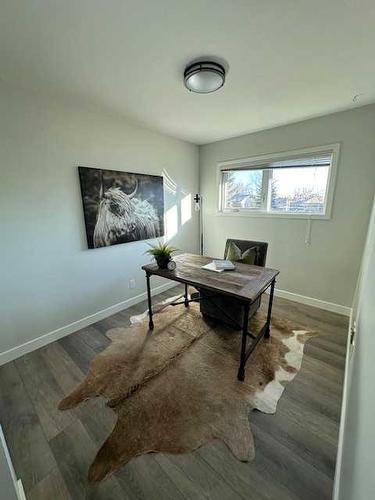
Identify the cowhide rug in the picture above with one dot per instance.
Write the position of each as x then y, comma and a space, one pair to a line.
176, 388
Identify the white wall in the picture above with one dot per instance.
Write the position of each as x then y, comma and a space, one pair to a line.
355, 474
48, 276
326, 270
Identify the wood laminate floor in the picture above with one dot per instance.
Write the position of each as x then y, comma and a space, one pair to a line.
295, 448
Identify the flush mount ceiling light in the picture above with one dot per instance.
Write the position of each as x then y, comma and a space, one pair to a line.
204, 77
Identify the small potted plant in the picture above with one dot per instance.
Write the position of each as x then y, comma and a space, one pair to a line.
162, 253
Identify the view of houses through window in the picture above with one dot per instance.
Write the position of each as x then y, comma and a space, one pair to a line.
289, 186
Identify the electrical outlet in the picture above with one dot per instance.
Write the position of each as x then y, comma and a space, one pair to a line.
132, 283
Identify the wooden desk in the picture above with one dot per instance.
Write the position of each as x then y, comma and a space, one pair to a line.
246, 283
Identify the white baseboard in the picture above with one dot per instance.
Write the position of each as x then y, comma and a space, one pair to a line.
32, 345
47, 338
21, 491
310, 301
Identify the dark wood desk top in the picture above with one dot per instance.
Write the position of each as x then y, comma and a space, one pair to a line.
245, 282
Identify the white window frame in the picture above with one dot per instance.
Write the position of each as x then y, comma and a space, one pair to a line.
260, 160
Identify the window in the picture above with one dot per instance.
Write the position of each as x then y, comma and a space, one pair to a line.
296, 183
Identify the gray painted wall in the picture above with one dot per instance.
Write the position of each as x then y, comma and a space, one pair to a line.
328, 269
48, 276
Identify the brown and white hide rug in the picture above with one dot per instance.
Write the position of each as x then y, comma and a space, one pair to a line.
176, 388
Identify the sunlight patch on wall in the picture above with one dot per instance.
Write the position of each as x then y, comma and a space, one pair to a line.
186, 209
169, 183
171, 222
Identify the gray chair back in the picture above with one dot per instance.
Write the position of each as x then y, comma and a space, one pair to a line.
243, 245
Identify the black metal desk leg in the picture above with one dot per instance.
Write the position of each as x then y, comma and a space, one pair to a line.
150, 322
186, 296
241, 370
269, 313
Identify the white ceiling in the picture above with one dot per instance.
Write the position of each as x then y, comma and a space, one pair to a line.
288, 59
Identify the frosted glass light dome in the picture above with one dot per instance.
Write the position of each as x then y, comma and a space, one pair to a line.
204, 77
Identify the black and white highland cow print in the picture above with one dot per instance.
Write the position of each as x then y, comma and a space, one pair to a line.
120, 207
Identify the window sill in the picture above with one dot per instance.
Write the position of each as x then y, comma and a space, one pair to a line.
274, 215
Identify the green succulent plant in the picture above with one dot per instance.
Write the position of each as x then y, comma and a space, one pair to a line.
161, 249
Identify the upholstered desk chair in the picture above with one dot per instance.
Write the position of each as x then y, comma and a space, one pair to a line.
222, 307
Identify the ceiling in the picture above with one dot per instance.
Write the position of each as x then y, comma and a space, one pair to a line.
287, 60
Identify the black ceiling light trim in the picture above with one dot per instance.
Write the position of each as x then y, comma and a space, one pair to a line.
204, 77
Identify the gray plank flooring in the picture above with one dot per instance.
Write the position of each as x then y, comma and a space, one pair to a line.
295, 448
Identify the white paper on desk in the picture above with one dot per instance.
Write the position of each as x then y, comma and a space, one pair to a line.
211, 267
227, 265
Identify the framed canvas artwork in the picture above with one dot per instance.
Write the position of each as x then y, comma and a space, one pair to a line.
120, 207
